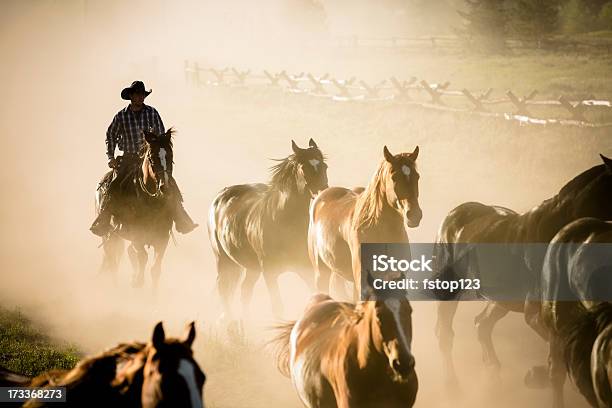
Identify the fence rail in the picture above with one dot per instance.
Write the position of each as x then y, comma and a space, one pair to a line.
410, 92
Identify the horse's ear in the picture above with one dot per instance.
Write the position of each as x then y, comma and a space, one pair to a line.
388, 156
159, 336
415, 153
607, 162
190, 334
312, 143
296, 149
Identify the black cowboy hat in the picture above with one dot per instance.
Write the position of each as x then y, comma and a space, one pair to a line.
137, 86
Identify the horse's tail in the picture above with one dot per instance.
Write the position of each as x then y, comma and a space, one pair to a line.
9, 378
282, 347
586, 338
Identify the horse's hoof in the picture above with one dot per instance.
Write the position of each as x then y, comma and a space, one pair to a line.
537, 377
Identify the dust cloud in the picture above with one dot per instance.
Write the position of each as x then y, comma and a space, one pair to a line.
63, 66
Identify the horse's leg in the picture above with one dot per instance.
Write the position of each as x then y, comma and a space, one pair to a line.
532, 318
139, 258
557, 370
111, 248
485, 321
160, 250
271, 278
338, 287
322, 277
445, 334
307, 276
251, 277
228, 276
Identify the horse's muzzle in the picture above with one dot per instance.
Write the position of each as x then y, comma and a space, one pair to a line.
413, 217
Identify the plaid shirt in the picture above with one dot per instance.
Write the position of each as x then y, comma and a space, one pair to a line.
126, 129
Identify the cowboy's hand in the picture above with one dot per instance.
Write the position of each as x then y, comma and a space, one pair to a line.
112, 163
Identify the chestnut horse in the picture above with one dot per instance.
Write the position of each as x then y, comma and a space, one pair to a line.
580, 331
262, 229
143, 213
161, 373
342, 219
587, 195
344, 355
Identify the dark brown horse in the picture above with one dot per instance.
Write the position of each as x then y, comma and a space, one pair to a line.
579, 332
161, 373
587, 195
342, 219
344, 355
262, 229
143, 215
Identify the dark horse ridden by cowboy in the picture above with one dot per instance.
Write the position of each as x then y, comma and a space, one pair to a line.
127, 132
138, 200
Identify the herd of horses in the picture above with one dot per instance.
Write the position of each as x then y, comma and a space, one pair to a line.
358, 353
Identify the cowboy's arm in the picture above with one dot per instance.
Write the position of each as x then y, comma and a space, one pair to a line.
112, 136
157, 123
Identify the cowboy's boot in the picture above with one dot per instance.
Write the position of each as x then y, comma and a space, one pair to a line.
102, 224
182, 221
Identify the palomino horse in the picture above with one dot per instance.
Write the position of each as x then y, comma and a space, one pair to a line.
587, 195
344, 355
342, 219
580, 331
161, 373
263, 228
144, 211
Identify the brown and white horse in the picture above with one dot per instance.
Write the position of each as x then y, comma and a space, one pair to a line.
342, 219
262, 229
161, 373
344, 355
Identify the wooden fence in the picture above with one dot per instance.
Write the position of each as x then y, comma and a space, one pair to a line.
411, 92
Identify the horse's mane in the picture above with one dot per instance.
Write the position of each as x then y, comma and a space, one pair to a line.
102, 366
370, 203
582, 179
326, 315
579, 338
283, 174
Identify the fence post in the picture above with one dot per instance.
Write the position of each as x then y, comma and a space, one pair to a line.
402, 87
576, 111
241, 76
475, 101
343, 90
520, 103
318, 86
434, 92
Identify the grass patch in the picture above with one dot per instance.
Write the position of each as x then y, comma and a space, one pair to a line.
26, 349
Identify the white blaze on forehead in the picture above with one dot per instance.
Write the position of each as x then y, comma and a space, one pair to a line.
187, 371
314, 163
394, 306
406, 170
162, 158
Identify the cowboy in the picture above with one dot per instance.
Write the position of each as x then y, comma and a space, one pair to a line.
126, 132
